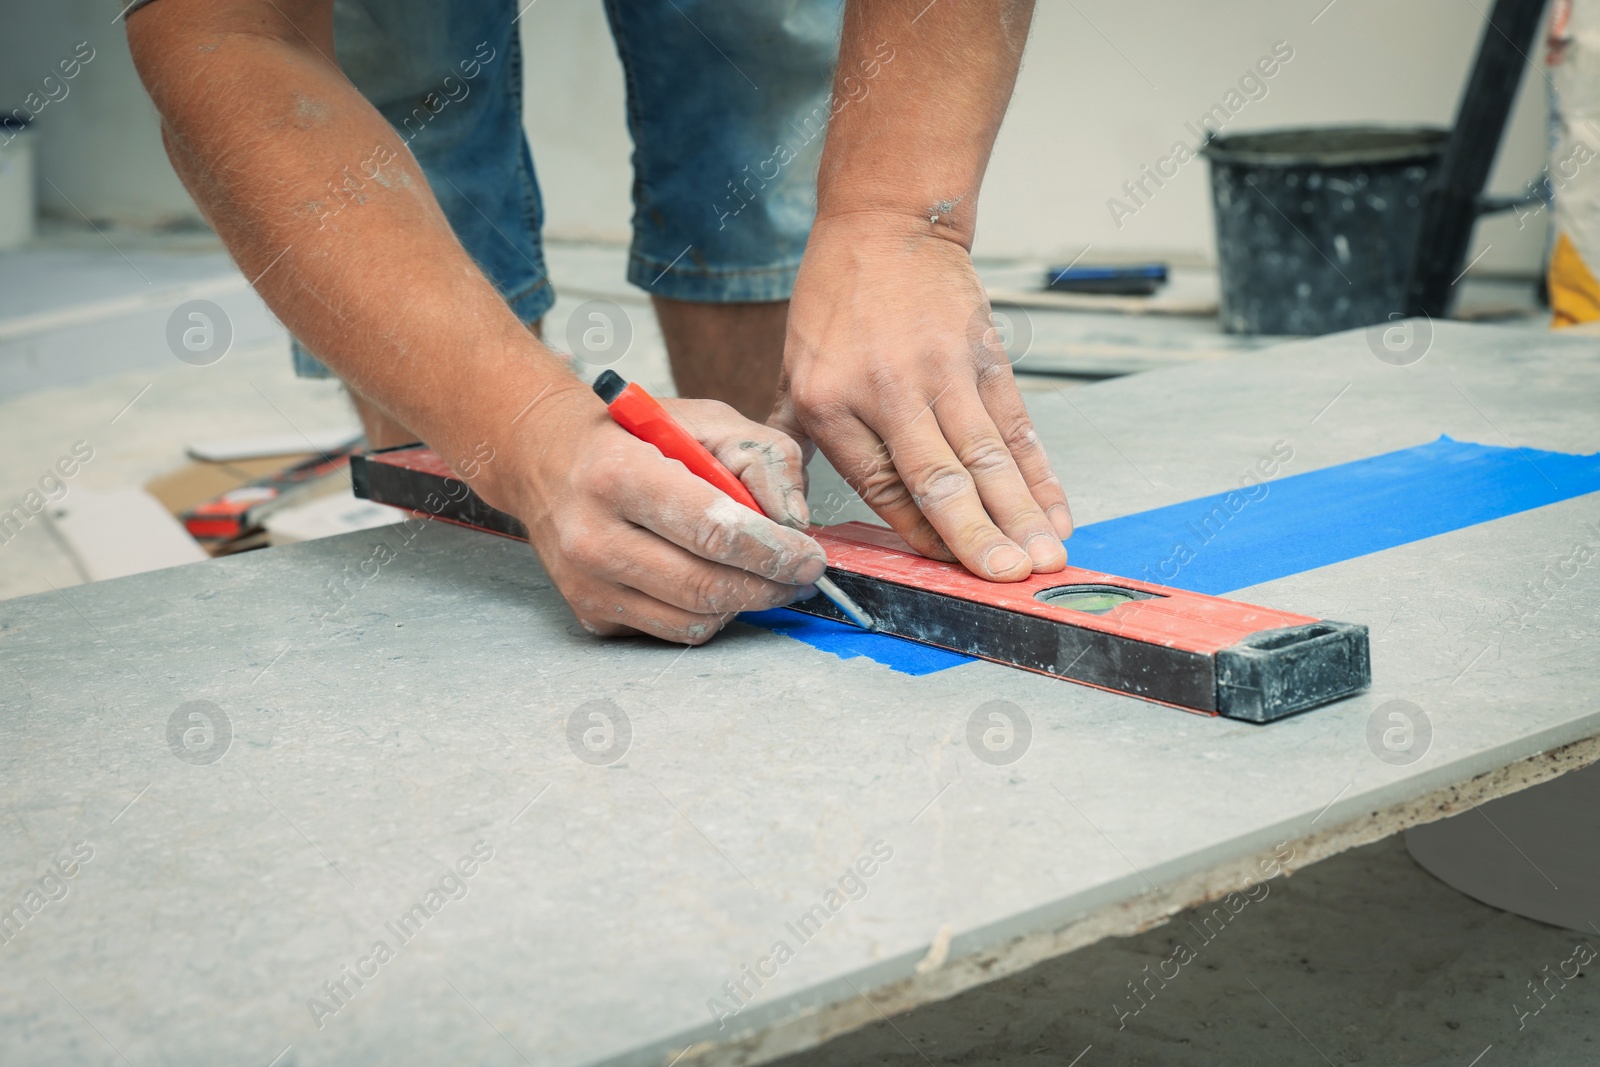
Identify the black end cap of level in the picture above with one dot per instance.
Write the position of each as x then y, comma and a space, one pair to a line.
1276, 673
609, 385
360, 476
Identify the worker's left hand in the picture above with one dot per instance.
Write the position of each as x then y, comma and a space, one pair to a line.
891, 368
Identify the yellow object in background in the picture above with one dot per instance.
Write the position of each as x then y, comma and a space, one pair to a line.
1574, 292
1574, 169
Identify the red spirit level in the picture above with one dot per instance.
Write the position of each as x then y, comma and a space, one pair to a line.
1197, 652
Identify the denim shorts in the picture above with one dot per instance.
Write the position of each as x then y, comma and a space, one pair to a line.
727, 102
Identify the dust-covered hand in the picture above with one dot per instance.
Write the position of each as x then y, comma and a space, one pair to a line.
636, 543
893, 368
391, 300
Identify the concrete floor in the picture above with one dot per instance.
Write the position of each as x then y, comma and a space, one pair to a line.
1364, 958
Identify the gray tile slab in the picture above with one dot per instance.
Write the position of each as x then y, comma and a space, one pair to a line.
398, 700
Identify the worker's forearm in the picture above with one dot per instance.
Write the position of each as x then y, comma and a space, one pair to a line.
919, 95
328, 213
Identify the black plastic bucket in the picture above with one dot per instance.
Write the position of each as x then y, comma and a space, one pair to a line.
1316, 227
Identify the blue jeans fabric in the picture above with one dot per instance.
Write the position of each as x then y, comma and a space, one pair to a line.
727, 101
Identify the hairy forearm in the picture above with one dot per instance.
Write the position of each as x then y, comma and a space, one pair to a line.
914, 135
323, 207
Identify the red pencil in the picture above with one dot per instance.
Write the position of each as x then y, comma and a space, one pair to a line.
643, 416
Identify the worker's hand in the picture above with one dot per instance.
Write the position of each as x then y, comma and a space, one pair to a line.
634, 542
891, 367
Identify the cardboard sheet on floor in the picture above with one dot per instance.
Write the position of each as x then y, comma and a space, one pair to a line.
118, 532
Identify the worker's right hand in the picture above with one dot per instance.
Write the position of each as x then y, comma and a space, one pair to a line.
887, 370
636, 543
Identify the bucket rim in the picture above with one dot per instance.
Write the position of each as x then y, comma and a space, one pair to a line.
1277, 147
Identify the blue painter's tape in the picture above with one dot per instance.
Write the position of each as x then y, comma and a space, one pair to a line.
1220, 543
847, 641
1217, 544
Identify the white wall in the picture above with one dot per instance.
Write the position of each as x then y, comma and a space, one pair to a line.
1084, 120
100, 144
574, 111
1106, 88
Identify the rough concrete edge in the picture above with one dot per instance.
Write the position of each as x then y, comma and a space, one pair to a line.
811, 1029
